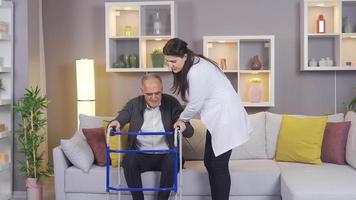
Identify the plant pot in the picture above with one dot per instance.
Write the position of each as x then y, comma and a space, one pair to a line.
157, 60
34, 189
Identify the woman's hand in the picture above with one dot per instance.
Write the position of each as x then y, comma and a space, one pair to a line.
115, 124
181, 125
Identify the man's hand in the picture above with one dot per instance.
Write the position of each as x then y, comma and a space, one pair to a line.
181, 125
116, 124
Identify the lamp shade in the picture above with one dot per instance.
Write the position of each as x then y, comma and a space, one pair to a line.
85, 80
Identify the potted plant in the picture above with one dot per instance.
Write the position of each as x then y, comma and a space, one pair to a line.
351, 106
31, 108
157, 58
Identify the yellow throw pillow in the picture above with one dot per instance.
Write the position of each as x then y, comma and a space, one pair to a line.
300, 139
114, 143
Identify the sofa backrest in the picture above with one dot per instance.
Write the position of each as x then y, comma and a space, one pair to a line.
261, 145
273, 123
254, 148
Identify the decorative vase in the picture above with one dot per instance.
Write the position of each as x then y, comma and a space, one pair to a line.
126, 60
255, 63
223, 63
128, 31
157, 25
347, 26
133, 60
157, 60
255, 91
34, 189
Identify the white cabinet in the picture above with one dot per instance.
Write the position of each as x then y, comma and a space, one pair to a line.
6, 98
333, 49
133, 31
236, 56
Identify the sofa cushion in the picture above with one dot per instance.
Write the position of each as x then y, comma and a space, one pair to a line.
114, 143
96, 140
351, 141
87, 121
334, 142
263, 175
255, 147
273, 123
310, 182
78, 152
95, 180
300, 139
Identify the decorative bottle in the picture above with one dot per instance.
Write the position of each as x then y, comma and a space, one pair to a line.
255, 90
320, 24
157, 25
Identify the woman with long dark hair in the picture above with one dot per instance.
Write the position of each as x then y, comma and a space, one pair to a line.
206, 90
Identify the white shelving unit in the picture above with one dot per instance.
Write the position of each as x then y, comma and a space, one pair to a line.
339, 40
134, 30
238, 51
6, 98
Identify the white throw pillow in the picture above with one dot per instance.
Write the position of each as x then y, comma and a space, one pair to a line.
351, 140
86, 121
273, 123
78, 152
255, 147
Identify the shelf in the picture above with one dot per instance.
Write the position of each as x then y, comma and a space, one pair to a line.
5, 37
165, 69
6, 110
230, 71
339, 41
136, 28
335, 68
124, 37
349, 35
4, 167
261, 104
5, 69
238, 52
5, 4
5, 102
254, 71
323, 35
5, 134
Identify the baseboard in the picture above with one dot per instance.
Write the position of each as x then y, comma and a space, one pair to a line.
19, 195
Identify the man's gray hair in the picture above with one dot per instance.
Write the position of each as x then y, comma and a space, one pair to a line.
151, 76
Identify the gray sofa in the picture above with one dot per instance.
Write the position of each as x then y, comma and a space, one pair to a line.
254, 173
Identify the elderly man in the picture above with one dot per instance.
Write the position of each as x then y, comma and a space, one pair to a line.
150, 112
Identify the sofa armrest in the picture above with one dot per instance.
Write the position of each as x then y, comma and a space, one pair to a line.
61, 163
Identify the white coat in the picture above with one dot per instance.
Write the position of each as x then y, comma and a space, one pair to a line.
212, 96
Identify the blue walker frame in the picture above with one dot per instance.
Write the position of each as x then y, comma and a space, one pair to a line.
177, 186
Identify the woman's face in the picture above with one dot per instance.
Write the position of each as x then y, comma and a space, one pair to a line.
176, 63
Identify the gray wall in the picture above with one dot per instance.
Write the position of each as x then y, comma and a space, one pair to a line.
26, 62
75, 29
21, 62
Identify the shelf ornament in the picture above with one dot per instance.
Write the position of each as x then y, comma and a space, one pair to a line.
320, 24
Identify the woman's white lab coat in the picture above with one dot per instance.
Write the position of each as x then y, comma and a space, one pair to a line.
212, 95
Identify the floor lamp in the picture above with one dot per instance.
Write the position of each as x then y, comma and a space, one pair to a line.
85, 87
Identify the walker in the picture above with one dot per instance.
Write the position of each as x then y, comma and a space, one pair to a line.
177, 188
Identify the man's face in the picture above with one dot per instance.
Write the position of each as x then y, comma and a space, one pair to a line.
152, 91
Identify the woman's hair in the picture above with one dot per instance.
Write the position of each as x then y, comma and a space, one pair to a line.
178, 47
